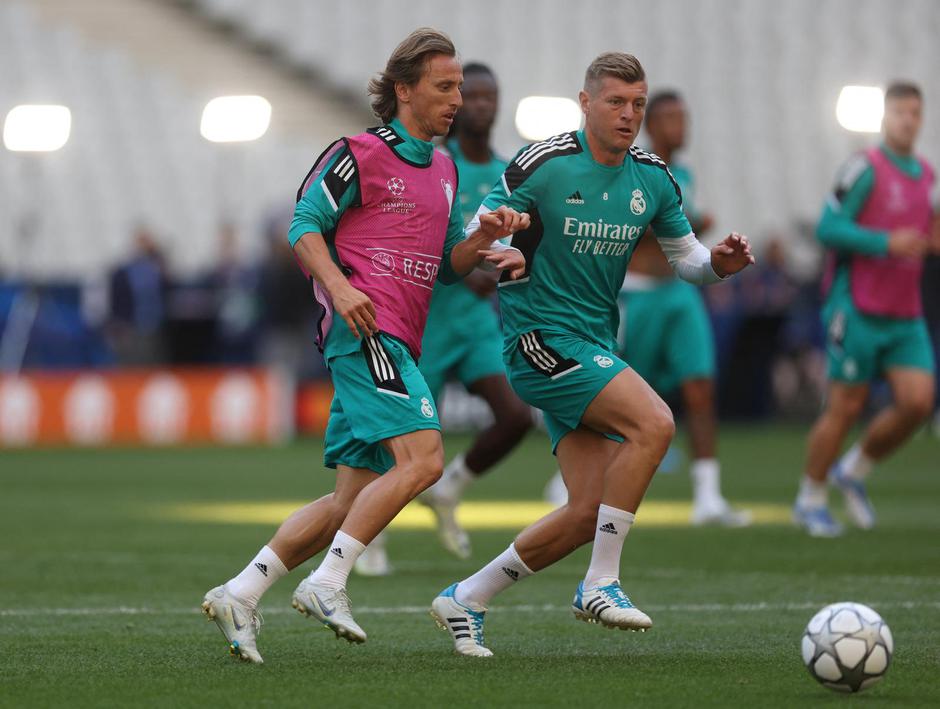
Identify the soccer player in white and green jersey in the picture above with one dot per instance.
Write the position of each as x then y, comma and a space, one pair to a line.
665, 333
591, 195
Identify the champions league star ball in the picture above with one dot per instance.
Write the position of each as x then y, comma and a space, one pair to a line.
847, 647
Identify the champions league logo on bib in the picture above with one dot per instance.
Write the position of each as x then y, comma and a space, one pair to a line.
638, 204
396, 186
426, 408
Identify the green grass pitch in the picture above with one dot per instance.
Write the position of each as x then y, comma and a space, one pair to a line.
100, 590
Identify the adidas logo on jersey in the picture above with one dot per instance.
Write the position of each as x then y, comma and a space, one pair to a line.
338, 551
511, 573
609, 528
575, 198
263, 568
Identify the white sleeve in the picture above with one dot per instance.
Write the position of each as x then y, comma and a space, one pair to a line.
690, 259
495, 246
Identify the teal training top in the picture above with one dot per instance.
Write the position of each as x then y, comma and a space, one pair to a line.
455, 308
586, 221
837, 227
315, 212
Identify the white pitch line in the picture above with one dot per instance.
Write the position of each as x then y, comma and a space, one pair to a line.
451, 565
411, 610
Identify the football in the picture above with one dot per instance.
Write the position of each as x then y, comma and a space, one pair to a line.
847, 647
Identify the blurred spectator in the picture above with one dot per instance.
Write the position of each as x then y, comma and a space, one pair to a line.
235, 283
749, 313
288, 308
191, 306
138, 304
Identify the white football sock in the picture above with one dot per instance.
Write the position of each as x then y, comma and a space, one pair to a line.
812, 493
454, 480
257, 577
612, 528
706, 481
501, 573
340, 557
856, 464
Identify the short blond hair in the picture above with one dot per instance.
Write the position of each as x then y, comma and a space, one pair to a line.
619, 65
407, 65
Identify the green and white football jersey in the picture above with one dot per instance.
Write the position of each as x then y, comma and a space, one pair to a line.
586, 221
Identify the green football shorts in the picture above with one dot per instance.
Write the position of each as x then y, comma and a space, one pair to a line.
378, 393
560, 374
862, 347
666, 336
452, 350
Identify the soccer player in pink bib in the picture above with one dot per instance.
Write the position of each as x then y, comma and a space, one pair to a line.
377, 223
877, 228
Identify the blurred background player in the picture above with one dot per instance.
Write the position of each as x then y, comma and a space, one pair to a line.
665, 333
877, 227
462, 340
591, 196
383, 436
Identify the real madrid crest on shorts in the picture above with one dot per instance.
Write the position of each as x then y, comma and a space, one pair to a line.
601, 360
638, 203
426, 408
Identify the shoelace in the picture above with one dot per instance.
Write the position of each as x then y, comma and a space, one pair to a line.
616, 596
476, 623
254, 617
257, 620
340, 599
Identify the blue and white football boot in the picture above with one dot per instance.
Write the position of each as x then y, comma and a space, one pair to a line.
609, 606
857, 504
817, 521
463, 622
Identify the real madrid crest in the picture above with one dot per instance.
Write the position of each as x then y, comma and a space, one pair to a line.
638, 203
426, 408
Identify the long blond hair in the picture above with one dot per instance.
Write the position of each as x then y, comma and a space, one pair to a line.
406, 65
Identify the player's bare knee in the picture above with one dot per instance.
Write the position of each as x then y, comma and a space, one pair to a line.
916, 407
658, 428
515, 419
424, 469
846, 409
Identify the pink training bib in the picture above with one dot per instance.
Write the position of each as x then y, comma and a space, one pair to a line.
390, 246
889, 286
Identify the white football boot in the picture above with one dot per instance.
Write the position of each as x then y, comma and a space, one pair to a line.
453, 537
718, 512
857, 503
373, 561
817, 521
330, 606
239, 623
464, 623
609, 606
